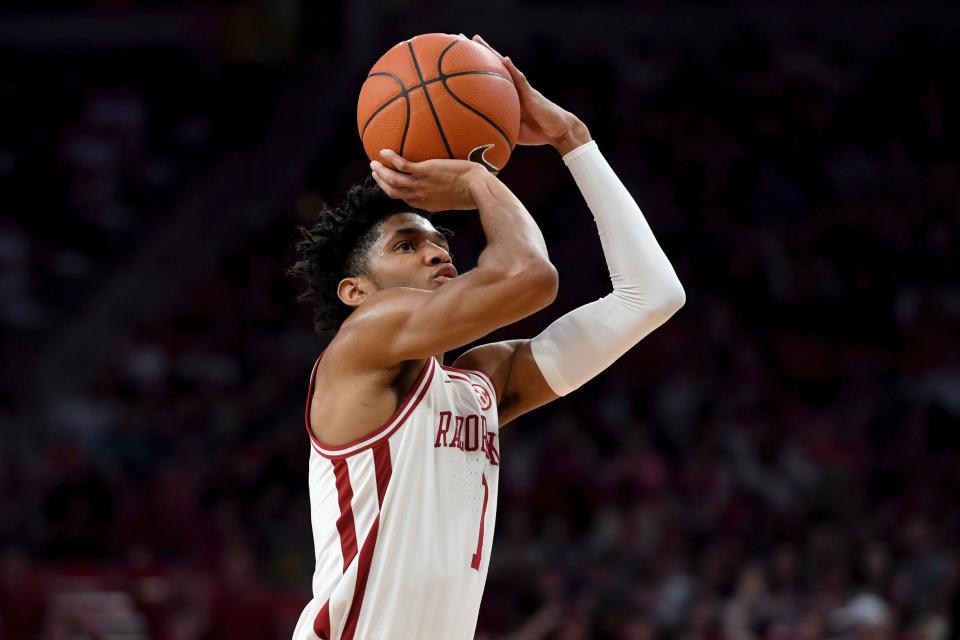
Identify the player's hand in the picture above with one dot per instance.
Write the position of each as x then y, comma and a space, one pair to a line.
431, 185
541, 121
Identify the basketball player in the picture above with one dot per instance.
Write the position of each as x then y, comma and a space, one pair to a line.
405, 457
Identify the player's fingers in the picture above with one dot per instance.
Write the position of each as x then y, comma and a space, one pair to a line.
388, 188
398, 161
519, 79
518, 76
477, 38
393, 178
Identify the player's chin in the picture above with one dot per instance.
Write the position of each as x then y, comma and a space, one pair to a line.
437, 282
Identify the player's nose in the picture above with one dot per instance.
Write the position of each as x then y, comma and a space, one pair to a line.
436, 255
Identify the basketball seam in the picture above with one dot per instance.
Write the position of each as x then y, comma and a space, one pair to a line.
443, 80
405, 92
426, 94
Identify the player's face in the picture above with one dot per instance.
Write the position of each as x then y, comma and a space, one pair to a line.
410, 252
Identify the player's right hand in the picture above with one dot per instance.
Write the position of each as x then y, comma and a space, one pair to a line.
542, 121
431, 185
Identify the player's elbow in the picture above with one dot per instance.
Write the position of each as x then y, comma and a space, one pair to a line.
673, 298
537, 284
655, 304
668, 301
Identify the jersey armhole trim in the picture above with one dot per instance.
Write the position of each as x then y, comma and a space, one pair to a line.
480, 373
385, 430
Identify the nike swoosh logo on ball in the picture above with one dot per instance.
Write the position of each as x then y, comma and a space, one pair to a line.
477, 155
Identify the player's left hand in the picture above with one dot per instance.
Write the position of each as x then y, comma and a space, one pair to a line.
541, 120
432, 185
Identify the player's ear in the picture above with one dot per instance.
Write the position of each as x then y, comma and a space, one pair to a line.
353, 290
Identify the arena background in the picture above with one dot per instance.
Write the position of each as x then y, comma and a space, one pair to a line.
781, 460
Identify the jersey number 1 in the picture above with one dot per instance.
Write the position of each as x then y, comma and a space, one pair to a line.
475, 562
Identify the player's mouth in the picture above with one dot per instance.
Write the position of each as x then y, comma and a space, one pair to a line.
444, 273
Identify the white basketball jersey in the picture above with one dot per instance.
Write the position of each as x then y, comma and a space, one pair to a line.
403, 518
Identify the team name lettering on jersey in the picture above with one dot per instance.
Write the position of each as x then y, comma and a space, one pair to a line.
466, 433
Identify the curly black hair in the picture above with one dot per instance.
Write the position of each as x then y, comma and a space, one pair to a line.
336, 246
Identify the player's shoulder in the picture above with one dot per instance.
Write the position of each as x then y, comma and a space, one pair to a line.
380, 308
358, 345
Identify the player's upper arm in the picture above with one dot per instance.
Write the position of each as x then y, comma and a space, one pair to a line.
520, 385
399, 324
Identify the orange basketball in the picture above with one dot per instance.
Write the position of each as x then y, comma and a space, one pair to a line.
440, 96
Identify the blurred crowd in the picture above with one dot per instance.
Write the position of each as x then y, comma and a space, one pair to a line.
780, 461
90, 161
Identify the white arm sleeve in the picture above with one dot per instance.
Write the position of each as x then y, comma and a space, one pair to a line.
646, 290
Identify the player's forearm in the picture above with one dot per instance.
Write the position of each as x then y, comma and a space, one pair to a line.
646, 290
639, 269
514, 241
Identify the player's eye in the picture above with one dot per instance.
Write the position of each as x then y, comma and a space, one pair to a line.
405, 245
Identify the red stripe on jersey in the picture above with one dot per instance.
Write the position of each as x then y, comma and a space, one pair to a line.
321, 624
456, 376
363, 572
348, 532
475, 561
381, 463
383, 471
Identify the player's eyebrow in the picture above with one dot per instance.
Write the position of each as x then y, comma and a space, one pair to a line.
410, 231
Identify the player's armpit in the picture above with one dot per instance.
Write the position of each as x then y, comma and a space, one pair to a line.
519, 383
401, 324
